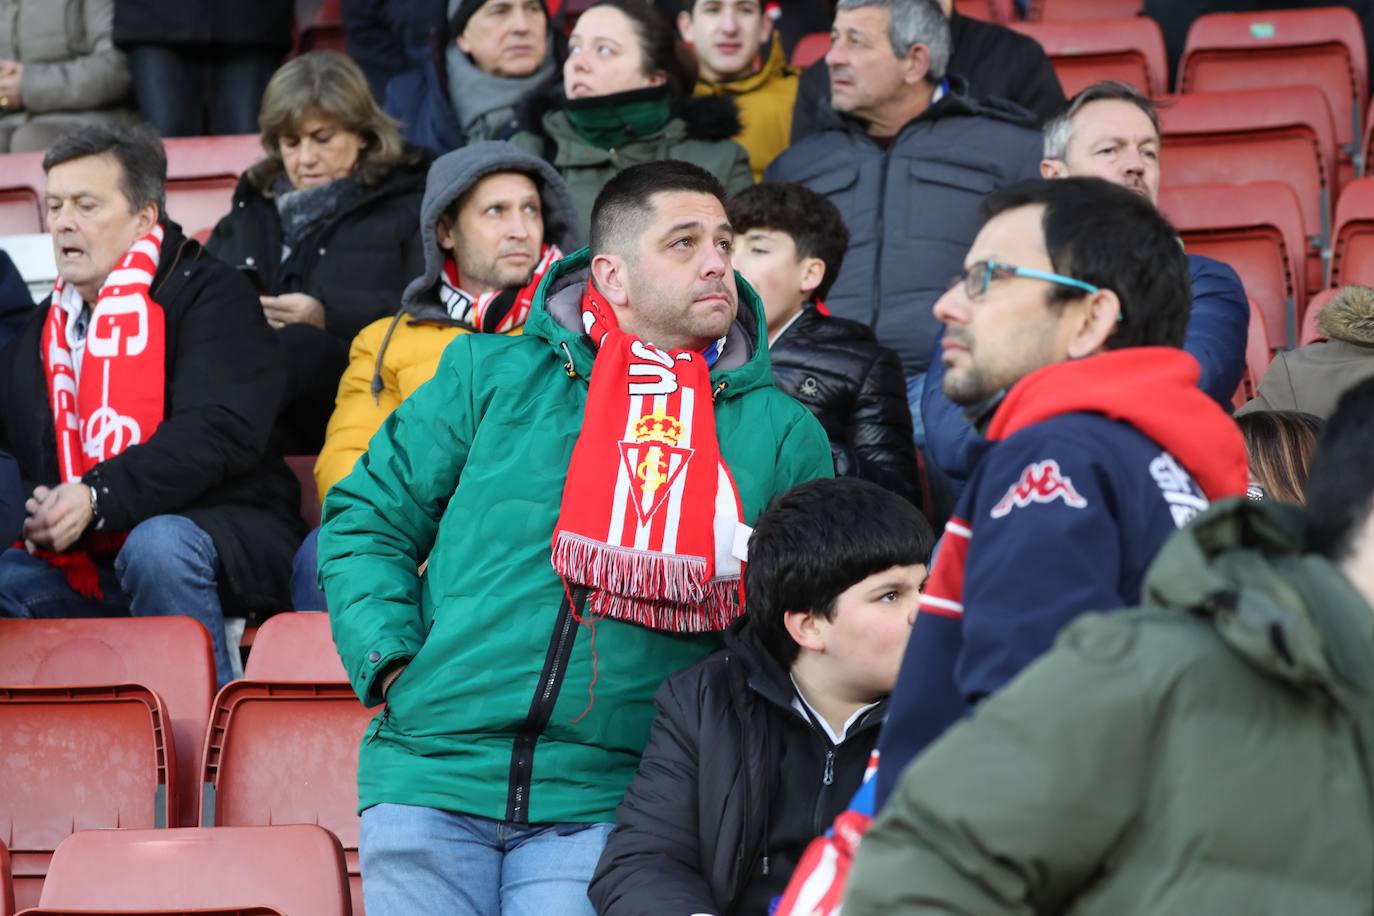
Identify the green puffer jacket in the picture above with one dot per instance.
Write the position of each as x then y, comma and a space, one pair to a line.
496, 714
1209, 753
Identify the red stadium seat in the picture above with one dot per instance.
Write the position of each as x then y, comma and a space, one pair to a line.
303, 466
143, 911
6, 883
295, 647
1257, 230
202, 173
1310, 332
171, 655
1258, 355
1083, 53
810, 48
325, 33
75, 758
1352, 249
197, 204
297, 869
1318, 47
21, 211
988, 10
1279, 134
1051, 10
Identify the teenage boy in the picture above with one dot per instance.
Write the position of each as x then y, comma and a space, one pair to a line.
789, 242
757, 748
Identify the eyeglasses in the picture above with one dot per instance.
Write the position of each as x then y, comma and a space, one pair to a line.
976, 277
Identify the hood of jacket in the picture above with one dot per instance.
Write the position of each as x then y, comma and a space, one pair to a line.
1153, 389
1243, 565
556, 316
453, 174
774, 66
1349, 316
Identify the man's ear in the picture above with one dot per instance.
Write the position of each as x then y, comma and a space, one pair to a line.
1098, 323
1054, 168
684, 26
608, 271
917, 62
765, 34
443, 230
812, 273
805, 629
463, 44
147, 218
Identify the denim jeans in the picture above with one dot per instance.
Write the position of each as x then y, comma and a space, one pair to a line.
915, 386
167, 566
423, 860
306, 594
190, 90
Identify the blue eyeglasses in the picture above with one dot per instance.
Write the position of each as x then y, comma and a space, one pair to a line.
976, 277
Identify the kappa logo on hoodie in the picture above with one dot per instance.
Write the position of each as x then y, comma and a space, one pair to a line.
1040, 482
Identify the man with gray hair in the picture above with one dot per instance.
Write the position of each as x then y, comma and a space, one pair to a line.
907, 157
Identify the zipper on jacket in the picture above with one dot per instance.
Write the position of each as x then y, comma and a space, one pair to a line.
541, 705
828, 778
878, 253
386, 714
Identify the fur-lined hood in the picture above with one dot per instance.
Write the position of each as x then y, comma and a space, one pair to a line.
1349, 316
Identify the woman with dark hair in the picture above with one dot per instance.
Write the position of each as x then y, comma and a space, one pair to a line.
1280, 444
327, 226
627, 99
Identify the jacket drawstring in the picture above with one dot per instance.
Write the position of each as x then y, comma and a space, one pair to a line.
568, 366
381, 352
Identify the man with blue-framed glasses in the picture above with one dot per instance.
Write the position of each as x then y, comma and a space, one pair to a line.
1061, 342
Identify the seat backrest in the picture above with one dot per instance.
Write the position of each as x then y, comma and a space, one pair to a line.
199, 203
170, 655
1353, 235
1084, 52
987, 10
143, 911
211, 157
1257, 230
75, 758
1258, 355
6, 882
281, 753
294, 868
21, 213
295, 647
303, 466
810, 48
1319, 47
1050, 10
1310, 332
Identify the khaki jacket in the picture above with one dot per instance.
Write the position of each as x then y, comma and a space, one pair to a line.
765, 101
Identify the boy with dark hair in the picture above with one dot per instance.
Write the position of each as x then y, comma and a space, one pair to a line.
789, 243
756, 748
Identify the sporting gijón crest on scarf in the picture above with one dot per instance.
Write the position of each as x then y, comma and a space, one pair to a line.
649, 509
117, 401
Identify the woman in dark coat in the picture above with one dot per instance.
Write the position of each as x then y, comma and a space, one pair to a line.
327, 226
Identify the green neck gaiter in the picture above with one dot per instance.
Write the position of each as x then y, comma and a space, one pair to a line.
611, 121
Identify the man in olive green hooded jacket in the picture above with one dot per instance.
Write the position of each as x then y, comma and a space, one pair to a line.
517, 701
1209, 752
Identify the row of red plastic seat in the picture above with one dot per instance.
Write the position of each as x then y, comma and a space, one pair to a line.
115, 723
1050, 10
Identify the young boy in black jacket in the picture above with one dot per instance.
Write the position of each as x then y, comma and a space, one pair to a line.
757, 748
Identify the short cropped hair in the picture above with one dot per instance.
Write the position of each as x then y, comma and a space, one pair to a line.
1058, 130
914, 22
1340, 487
817, 540
138, 150
813, 222
1115, 239
622, 213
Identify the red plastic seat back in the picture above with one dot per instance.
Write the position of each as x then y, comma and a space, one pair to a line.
987, 10
303, 466
1319, 47
295, 868
1083, 53
1258, 355
1310, 332
1352, 249
6, 883
76, 758
1255, 229
197, 204
1079, 10
171, 655
810, 48
295, 647
21, 211
179, 911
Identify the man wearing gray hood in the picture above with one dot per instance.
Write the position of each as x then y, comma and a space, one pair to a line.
473, 80
493, 220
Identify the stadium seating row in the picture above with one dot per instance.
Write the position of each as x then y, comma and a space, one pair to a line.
114, 722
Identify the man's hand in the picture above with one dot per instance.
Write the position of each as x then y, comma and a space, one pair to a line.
57, 517
293, 308
390, 679
11, 76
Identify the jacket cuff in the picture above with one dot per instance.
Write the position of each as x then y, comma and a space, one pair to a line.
374, 663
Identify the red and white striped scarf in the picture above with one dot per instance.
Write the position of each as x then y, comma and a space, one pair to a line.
497, 311
649, 511
118, 401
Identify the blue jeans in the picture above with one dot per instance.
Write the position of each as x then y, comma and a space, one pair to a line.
167, 566
915, 385
190, 90
423, 860
306, 594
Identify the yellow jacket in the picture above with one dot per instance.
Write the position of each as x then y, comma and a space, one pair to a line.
411, 357
765, 102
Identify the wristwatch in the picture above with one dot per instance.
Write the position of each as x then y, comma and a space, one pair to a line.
96, 520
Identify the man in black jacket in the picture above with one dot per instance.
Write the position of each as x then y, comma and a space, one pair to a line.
138, 402
789, 243
757, 748
995, 61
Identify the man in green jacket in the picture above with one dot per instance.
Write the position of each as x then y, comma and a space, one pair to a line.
1209, 752
581, 529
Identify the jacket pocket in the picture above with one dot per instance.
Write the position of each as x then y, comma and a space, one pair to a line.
840, 185
945, 198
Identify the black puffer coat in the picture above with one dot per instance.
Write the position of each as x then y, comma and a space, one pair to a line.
210, 458
693, 833
359, 262
855, 388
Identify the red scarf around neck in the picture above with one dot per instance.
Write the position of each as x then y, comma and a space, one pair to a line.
649, 511
497, 311
117, 402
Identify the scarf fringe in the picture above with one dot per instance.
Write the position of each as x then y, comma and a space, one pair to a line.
718, 609
668, 577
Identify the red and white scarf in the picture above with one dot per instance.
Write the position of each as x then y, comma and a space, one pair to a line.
118, 400
650, 511
497, 311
